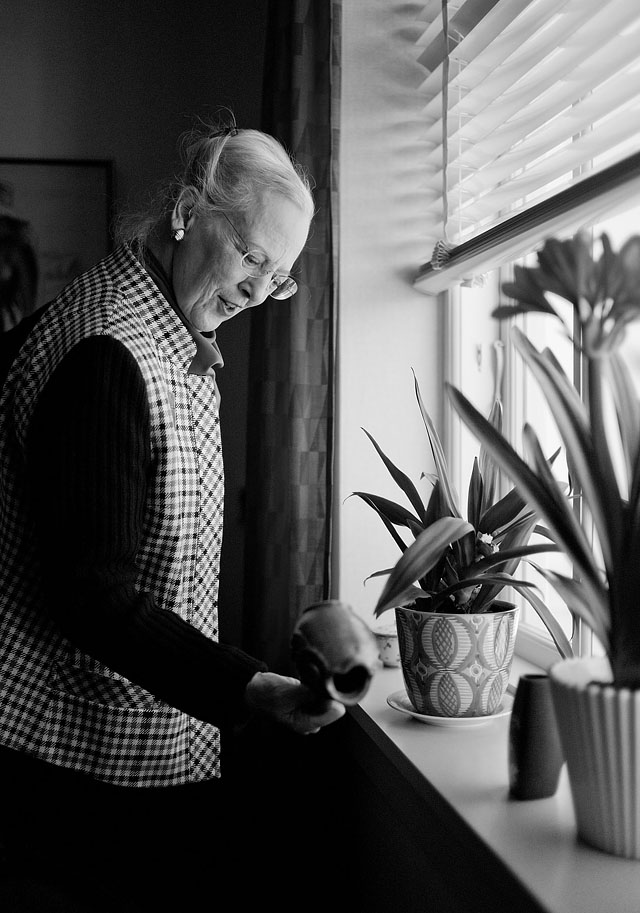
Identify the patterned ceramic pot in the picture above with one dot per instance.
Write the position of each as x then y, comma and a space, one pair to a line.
457, 665
599, 727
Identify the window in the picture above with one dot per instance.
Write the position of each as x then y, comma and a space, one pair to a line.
533, 112
392, 313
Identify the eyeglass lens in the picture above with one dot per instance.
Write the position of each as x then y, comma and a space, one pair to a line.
285, 289
285, 286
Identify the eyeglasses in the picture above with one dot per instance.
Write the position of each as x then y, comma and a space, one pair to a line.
255, 264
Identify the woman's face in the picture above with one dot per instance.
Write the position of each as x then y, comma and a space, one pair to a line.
209, 281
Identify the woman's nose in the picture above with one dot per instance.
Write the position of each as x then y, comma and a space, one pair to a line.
257, 288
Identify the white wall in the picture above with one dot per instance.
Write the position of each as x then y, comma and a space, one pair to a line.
385, 327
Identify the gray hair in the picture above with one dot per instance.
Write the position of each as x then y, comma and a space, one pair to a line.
223, 170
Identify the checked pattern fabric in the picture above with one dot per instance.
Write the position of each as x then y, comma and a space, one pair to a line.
58, 703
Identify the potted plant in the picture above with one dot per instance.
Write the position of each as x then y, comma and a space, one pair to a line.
597, 699
456, 637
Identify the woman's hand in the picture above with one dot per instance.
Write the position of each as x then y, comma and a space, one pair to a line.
287, 701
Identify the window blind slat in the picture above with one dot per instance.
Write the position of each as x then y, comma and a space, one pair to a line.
462, 21
609, 191
531, 124
494, 23
476, 56
485, 185
492, 172
481, 210
508, 92
537, 91
530, 115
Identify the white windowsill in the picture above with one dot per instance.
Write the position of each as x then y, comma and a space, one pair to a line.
536, 840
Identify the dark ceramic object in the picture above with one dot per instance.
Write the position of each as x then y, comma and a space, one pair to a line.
535, 750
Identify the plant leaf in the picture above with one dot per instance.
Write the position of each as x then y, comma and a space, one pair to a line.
442, 469
571, 419
543, 494
436, 506
514, 554
475, 496
526, 293
502, 512
498, 582
401, 479
582, 601
395, 513
420, 557
489, 471
464, 550
560, 639
390, 513
627, 411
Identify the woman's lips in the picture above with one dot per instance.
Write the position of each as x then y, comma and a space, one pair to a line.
230, 306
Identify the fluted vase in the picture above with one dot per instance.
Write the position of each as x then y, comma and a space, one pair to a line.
599, 727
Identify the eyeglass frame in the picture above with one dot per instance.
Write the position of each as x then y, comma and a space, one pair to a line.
259, 272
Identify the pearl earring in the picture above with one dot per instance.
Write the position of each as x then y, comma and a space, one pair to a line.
178, 234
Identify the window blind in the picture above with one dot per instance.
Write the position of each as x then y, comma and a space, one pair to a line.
532, 113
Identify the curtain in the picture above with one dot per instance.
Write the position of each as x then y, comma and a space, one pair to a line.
291, 375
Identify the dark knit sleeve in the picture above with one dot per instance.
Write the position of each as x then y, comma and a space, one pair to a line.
88, 459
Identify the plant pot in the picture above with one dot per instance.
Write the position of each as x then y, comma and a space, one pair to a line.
600, 732
457, 665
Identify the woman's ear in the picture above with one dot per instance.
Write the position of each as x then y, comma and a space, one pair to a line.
181, 215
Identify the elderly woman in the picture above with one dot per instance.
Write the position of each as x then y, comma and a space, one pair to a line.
113, 682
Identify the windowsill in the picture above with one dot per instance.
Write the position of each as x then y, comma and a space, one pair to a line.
536, 841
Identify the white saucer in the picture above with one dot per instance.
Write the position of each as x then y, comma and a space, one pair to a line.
400, 702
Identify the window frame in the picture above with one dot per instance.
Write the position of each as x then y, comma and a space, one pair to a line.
534, 644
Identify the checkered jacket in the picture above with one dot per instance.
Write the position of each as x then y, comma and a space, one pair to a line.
56, 702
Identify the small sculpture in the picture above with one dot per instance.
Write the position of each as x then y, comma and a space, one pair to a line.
335, 652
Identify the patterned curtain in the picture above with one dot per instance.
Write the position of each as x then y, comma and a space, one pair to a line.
291, 381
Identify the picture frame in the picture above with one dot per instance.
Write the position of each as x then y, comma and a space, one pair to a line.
67, 205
